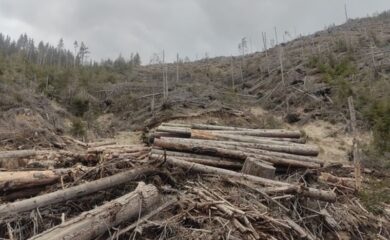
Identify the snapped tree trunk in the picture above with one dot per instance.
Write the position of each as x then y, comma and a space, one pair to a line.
93, 223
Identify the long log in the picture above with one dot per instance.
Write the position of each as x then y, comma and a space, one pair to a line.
28, 179
278, 135
205, 161
178, 130
17, 154
208, 135
176, 144
265, 133
328, 196
10, 209
93, 223
252, 148
189, 155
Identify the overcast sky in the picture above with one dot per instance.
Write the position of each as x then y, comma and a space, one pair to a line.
188, 27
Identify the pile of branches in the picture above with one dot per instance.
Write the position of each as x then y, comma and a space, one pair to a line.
196, 181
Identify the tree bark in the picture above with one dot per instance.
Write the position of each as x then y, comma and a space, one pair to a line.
258, 168
10, 209
318, 194
91, 224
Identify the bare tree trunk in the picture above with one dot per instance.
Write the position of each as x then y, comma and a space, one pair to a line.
95, 222
28, 179
10, 209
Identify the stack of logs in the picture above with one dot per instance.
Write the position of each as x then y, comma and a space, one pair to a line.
39, 188
254, 154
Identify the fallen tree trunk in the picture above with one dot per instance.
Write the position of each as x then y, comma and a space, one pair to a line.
265, 133
306, 192
258, 168
10, 209
189, 155
179, 145
284, 162
205, 161
251, 148
153, 135
178, 130
208, 135
17, 154
28, 179
91, 224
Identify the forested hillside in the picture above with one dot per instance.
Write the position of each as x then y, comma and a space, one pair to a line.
308, 78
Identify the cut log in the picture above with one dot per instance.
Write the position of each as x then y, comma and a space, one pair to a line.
93, 223
27, 179
285, 162
306, 192
208, 135
258, 168
189, 155
178, 145
305, 150
251, 148
17, 154
153, 135
118, 148
178, 130
10, 209
205, 161
266, 133
244, 131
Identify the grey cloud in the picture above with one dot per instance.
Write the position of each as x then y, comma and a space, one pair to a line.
189, 27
